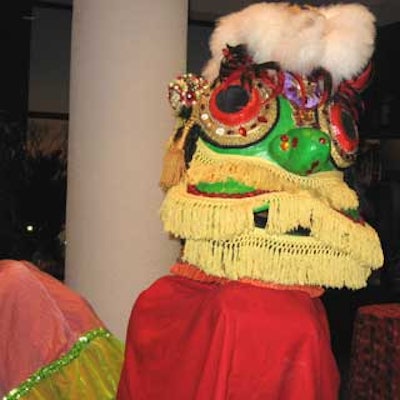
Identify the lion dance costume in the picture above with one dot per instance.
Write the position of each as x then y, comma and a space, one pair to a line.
255, 191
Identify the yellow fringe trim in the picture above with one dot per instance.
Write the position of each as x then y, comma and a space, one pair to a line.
190, 216
281, 259
289, 211
208, 218
209, 166
222, 241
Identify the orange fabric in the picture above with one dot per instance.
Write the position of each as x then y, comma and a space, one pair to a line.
40, 318
192, 272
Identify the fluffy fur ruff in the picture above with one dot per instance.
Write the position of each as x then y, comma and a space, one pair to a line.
339, 38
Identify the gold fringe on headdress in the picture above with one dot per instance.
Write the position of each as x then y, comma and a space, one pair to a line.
209, 166
189, 216
203, 218
280, 259
289, 211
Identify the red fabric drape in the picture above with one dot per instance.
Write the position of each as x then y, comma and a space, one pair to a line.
203, 341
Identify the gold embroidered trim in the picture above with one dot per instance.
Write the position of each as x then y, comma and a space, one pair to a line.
340, 160
255, 129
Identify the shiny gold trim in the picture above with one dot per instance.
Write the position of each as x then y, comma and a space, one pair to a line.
340, 159
229, 136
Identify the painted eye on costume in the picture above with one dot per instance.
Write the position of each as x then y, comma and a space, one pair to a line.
234, 114
344, 134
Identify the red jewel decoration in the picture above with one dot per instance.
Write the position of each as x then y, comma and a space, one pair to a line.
295, 141
313, 166
322, 140
242, 131
262, 119
285, 138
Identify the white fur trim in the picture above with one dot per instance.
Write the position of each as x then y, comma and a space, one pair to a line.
339, 38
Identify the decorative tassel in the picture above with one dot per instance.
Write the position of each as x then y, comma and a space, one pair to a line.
174, 167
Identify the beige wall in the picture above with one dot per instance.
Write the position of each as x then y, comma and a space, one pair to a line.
124, 53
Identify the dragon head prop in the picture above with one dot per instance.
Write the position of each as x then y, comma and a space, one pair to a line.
254, 169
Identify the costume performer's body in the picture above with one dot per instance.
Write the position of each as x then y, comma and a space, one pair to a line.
255, 191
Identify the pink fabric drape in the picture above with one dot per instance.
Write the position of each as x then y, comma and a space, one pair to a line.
40, 319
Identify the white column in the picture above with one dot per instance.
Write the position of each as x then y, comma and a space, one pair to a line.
124, 54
